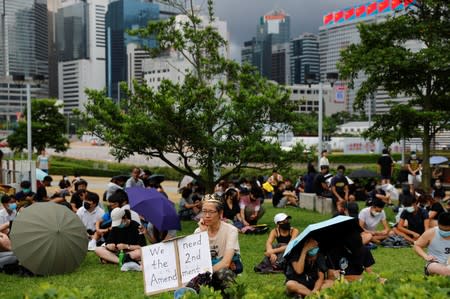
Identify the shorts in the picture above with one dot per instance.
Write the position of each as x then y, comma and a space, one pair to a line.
282, 203
414, 179
386, 176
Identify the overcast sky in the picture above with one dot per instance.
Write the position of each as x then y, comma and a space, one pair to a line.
242, 16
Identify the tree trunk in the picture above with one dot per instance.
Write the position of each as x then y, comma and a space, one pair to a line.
426, 172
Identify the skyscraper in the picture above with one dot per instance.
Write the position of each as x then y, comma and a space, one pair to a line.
80, 38
23, 51
123, 15
273, 29
304, 57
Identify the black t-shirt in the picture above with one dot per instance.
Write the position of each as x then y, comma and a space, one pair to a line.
339, 182
385, 163
319, 179
439, 192
310, 272
415, 220
438, 208
357, 261
41, 193
230, 213
126, 235
278, 195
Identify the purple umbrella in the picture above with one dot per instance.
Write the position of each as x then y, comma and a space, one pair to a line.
154, 207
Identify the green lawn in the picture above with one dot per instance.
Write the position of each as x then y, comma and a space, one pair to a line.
95, 280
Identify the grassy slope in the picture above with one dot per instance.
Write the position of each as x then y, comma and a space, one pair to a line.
106, 281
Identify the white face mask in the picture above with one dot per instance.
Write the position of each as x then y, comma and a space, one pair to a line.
410, 209
375, 214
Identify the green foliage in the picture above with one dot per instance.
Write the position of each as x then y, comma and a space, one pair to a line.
423, 74
409, 286
217, 117
47, 291
48, 128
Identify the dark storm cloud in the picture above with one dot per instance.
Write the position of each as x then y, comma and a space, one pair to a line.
242, 16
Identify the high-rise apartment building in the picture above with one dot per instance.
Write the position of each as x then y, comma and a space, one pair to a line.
23, 51
123, 15
304, 58
273, 29
81, 44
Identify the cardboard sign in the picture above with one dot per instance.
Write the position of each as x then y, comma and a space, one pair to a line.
172, 264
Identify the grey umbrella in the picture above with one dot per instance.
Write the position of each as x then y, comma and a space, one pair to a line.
48, 238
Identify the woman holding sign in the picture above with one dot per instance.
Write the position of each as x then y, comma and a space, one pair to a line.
223, 237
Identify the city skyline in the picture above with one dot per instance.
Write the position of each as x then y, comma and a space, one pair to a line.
243, 16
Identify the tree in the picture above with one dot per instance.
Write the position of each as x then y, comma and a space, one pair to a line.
423, 75
219, 116
48, 128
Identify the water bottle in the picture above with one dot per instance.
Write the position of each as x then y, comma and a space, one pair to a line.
121, 257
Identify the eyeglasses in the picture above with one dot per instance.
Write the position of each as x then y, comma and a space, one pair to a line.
208, 212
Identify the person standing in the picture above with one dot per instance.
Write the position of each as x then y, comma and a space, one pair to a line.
323, 159
43, 162
385, 167
414, 165
339, 189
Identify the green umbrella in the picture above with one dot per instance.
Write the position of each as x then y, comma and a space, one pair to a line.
48, 238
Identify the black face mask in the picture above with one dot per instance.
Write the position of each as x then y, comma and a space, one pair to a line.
285, 226
86, 205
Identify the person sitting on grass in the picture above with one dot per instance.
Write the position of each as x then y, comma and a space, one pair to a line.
306, 270
369, 218
282, 234
124, 236
189, 205
433, 207
250, 207
8, 212
283, 197
413, 220
223, 237
351, 258
437, 240
231, 209
89, 214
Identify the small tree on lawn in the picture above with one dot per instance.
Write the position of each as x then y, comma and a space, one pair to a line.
423, 75
218, 117
48, 128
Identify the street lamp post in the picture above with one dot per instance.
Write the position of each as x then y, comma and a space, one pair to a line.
310, 78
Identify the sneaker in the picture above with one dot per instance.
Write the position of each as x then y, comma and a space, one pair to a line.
92, 245
371, 246
130, 266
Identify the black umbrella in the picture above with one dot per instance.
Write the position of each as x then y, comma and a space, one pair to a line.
328, 233
363, 173
156, 178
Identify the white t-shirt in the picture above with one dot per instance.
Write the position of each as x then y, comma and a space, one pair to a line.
370, 222
324, 161
43, 162
5, 217
90, 218
226, 238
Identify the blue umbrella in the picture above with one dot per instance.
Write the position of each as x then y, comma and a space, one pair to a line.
154, 207
327, 233
40, 174
438, 159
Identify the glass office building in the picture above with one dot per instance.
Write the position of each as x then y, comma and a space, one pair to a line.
304, 58
23, 51
121, 16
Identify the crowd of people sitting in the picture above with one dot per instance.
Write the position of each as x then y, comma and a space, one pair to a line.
116, 232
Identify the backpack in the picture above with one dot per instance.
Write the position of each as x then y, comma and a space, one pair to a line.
395, 242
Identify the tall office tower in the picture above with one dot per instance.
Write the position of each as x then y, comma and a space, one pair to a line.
339, 31
304, 58
80, 36
273, 29
52, 8
121, 16
280, 71
23, 51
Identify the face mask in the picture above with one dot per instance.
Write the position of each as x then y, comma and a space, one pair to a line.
12, 206
26, 190
413, 156
410, 209
86, 205
313, 251
374, 214
285, 226
122, 225
438, 185
444, 234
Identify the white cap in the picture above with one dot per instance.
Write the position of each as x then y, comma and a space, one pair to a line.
116, 216
280, 217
